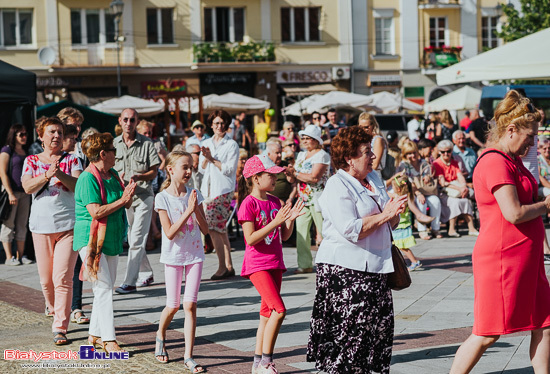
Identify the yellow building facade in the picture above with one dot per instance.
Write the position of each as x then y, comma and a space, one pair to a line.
270, 49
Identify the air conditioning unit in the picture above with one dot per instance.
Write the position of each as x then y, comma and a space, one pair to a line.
339, 73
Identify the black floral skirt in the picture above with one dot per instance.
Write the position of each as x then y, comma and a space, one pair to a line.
352, 322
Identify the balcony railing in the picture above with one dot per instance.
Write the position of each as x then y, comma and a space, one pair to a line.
219, 52
439, 57
95, 55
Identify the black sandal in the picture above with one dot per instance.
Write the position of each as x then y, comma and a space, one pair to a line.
60, 338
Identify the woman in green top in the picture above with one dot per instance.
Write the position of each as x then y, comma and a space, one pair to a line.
100, 198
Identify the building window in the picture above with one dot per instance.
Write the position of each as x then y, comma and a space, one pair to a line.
223, 24
16, 27
438, 31
92, 26
383, 26
160, 26
489, 32
300, 24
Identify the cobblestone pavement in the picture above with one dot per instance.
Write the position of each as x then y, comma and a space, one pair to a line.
433, 317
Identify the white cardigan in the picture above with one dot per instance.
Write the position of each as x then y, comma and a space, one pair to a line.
343, 204
218, 182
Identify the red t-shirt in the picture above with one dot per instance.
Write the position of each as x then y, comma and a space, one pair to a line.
450, 172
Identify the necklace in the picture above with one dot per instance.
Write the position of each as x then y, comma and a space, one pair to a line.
365, 184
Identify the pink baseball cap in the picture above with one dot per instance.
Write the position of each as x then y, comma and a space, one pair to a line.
260, 163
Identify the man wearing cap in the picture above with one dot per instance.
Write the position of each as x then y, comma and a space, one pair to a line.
199, 137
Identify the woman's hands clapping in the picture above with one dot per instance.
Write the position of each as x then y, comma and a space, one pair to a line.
129, 191
396, 206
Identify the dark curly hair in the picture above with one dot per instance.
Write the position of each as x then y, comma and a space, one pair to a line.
223, 115
346, 145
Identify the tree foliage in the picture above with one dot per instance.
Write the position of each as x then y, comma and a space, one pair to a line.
534, 16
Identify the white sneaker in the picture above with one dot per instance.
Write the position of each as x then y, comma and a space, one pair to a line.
269, 369
26, 261
144, 282
12, 262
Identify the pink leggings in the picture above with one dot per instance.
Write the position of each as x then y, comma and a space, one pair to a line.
56, 260
268, 284
173, 276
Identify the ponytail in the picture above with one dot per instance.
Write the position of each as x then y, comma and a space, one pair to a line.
166, 182
243, 189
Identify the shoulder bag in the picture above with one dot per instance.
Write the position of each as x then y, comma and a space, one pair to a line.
400, 278
5, 206
427, 188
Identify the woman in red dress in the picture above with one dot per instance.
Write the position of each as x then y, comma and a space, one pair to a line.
511, 289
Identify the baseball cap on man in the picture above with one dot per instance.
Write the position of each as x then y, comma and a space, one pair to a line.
260, 163
196, 124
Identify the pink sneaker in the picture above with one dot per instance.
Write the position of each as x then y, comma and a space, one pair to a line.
269, 369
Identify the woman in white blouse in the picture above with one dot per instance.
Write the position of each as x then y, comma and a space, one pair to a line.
352, 321
218, 164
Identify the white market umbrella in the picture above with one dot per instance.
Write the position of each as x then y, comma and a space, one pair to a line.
391, 103
300, 107
231, 102
115, 106
462, 99
339, 99
525, 58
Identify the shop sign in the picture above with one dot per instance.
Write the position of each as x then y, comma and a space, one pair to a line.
304, 76
383, 80
42, 82
163, 87
229, 78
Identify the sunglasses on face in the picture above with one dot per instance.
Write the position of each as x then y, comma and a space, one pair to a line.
445, 152
111, 150
131, 120
22, 134
316, 118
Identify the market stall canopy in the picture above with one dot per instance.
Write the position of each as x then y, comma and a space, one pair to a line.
115, 106
464, 98
18, 86
525, 58
104, 122
392, 103
230, 102
300, 107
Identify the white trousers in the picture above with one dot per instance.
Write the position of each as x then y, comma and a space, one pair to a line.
102, 320
139, 219
434, 203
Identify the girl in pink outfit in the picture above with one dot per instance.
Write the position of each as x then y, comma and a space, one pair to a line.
262, 219
182, 218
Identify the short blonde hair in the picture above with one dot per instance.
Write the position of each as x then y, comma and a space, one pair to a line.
408, 147
144, 124
72, 113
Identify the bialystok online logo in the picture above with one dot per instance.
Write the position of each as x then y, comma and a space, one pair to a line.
86, 352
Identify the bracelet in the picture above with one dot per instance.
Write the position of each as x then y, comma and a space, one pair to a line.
46, 177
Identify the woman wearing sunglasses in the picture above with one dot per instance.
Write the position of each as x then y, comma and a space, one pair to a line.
12, 157
455, 200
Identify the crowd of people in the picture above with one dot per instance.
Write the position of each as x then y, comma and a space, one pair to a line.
348, 191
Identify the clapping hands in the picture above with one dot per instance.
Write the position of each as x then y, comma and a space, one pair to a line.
290, 213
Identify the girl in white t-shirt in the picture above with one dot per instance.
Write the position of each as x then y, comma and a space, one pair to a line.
182, 216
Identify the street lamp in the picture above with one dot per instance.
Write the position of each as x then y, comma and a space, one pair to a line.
117, 7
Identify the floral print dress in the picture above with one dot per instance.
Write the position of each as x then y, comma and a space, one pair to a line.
310, 192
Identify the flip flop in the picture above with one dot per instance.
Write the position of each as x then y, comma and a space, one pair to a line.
161, 352
193, 366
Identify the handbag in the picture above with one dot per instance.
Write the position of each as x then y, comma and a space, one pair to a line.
427, 188
388, 170
451, 192
5, 206
400, 278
